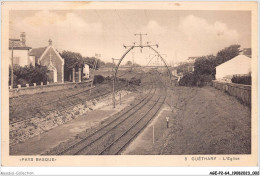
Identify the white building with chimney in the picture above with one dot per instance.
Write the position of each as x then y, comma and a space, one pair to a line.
20, 51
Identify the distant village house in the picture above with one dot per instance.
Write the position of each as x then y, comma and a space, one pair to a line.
20, 51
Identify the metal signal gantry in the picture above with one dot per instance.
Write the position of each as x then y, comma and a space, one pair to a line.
130, 47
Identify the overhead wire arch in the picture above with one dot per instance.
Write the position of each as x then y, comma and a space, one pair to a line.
131, 48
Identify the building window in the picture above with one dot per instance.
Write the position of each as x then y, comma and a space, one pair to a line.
16, 60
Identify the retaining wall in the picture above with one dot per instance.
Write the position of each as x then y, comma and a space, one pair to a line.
23, 130
240, 91
45, 88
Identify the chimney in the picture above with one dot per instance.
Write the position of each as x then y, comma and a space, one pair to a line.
23, 38
247, 52
50, 42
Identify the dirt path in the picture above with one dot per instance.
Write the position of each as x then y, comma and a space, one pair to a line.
204, 121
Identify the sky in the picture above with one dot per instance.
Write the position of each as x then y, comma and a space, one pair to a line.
180, 34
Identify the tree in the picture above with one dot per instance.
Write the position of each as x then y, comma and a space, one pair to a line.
102, 64
184, 67
72, 60
91, 62
129, 63
205, 65
227, 53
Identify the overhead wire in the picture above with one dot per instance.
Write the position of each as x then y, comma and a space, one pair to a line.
124, 25
120, 19
101, 18
151, 36
148, 19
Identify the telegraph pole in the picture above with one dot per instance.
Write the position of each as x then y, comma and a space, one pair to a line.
114, 80
113, 72
95, 66
141, 45
133, 59
12, 61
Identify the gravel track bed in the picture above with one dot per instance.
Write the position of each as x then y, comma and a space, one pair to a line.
98, 145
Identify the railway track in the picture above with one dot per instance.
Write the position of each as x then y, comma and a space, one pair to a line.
115, 121
113, 137
125, 139
65, 103
72, 99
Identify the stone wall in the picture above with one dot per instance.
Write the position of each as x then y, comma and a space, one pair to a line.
45, 88
240, 91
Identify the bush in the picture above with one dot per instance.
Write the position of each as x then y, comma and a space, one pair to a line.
192, 79
135, 81
204, 80
108, 78
22, 81
241, 80
122, 79
29, 75
98, 79
188, 80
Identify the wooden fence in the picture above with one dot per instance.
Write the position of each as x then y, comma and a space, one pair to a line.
240, 91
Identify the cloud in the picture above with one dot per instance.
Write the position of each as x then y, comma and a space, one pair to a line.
44, 18
202, 37
198, 28
67, 30
178, 37
155, 27
51, 20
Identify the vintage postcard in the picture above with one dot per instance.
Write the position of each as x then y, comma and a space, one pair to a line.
129, 84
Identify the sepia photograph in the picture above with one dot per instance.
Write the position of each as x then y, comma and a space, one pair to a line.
148, 80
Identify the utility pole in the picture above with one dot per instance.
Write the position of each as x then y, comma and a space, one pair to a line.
141, 44
133, 59
95, 66
12, 61
113, 95
114, 81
